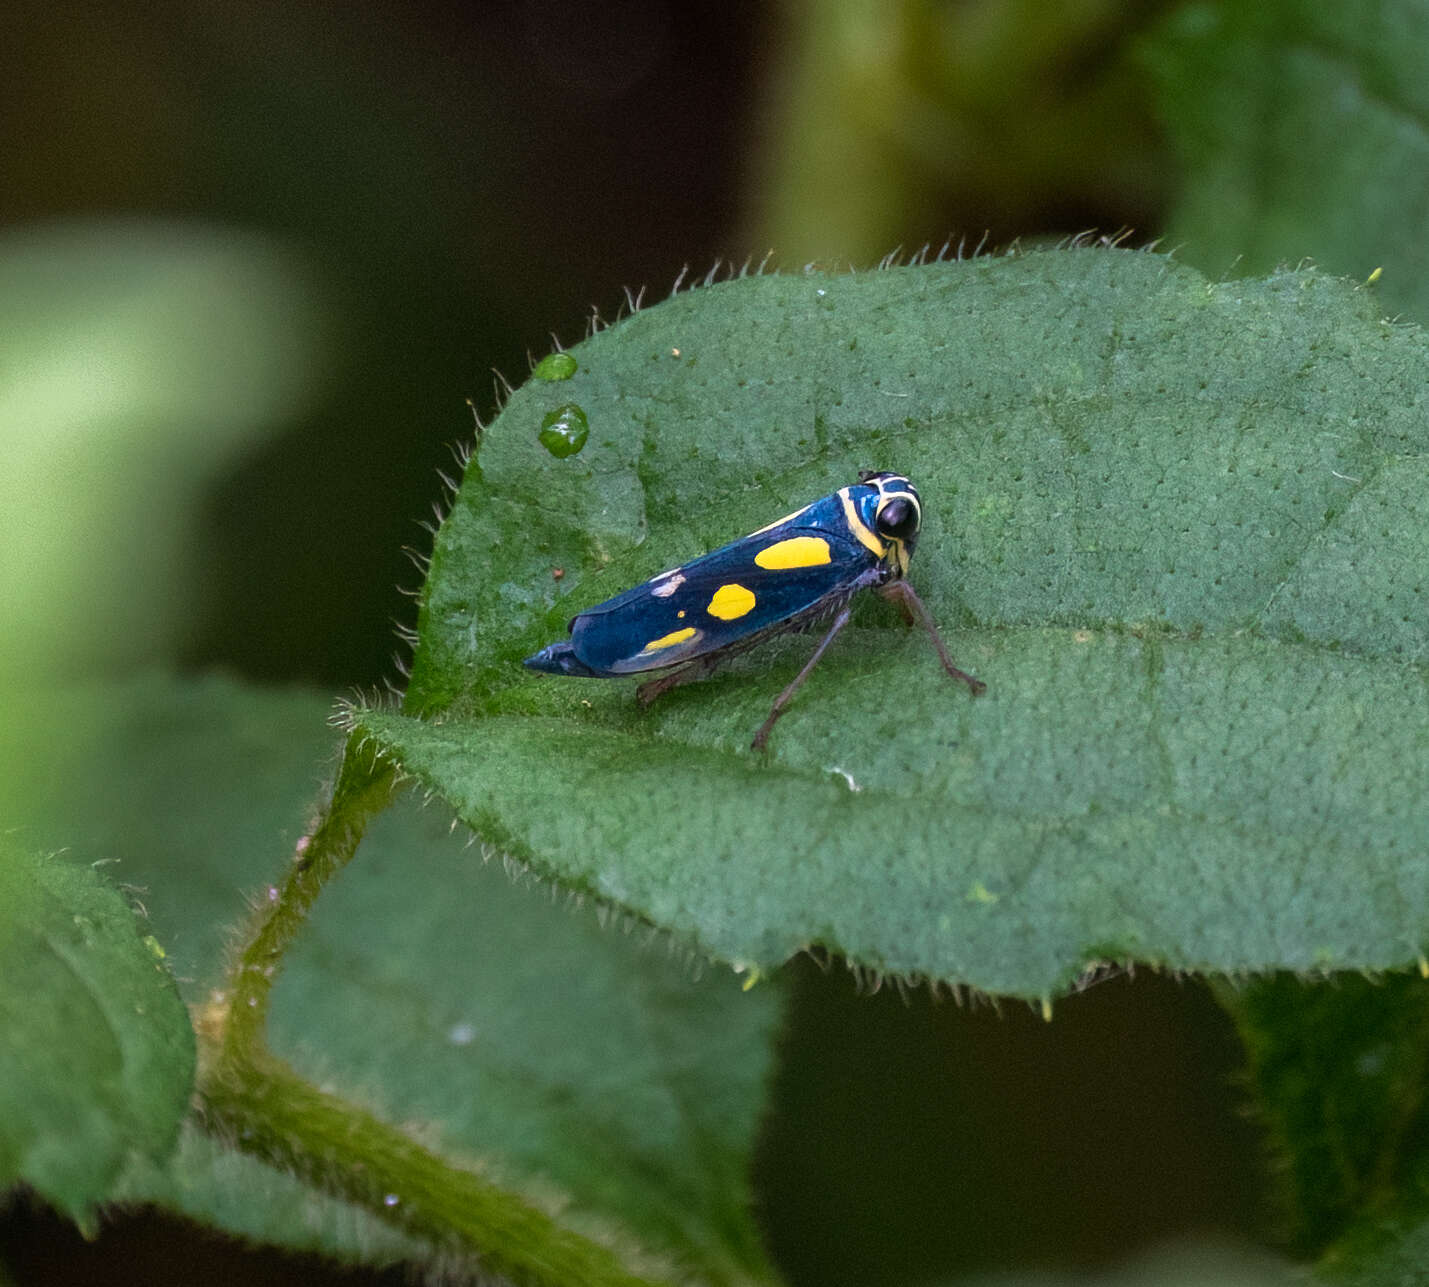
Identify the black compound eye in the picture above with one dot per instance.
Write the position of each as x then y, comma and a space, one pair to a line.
898, 519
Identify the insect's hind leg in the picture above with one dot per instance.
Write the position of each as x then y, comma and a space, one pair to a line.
652, 688
761, 738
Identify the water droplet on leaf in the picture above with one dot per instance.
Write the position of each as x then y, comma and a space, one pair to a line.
564, 431
555, 366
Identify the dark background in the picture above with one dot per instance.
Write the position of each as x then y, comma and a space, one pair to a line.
457, 184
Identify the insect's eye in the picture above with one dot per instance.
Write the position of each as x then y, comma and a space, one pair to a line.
898, 519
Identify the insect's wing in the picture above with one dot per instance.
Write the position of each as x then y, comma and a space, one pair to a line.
717, 600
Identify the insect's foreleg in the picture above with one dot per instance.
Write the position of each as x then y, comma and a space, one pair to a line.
780, 702
652, 688
903, 594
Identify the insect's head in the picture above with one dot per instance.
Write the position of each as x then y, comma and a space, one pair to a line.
894, 513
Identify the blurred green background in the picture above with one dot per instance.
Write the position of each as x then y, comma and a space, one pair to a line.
277, 248
256, 257
255, 260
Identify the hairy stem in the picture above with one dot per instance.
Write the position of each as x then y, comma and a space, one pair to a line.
366, 784
269, 1110
254, 1099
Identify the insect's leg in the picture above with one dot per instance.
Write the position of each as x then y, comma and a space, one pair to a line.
652, 688
903, 594
762, 737
904, 611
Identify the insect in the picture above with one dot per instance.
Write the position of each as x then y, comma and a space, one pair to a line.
791, 575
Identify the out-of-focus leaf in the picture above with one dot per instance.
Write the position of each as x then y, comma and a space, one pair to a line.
96, 1053
1303, 130
192, 793
209, 1181
136, 360
892, 121
1391, 1255
585, 1067
1337, 1071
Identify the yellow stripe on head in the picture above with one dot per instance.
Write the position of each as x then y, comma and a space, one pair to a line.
858, 527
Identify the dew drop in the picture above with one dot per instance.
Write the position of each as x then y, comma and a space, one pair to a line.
390, 1200
555, 366
564, 431
461, 1034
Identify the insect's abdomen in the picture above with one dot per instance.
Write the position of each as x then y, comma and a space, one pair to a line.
711, 610
560, 659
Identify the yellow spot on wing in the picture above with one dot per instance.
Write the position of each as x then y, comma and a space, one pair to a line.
796, 552
730, 602
670, 640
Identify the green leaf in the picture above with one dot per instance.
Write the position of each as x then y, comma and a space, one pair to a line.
1303, 130
1393, 1256
1337, 1072
209, 1181
553, 1047
96, 1053
584, 1067
193, 793
1178, 527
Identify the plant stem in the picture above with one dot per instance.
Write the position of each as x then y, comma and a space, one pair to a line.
262, 1105
366, 784
269, 1110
